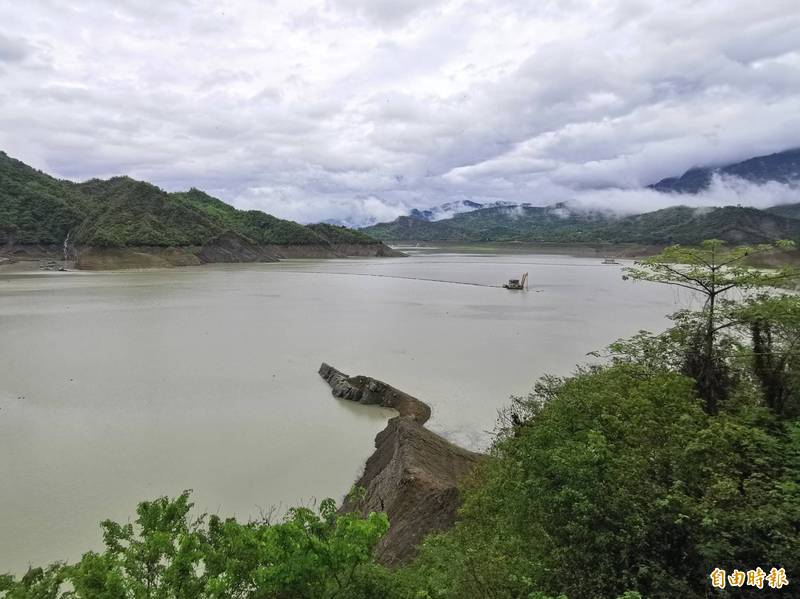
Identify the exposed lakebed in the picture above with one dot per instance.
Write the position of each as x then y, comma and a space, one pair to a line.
122, 386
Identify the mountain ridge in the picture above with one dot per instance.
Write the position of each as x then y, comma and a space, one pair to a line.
560, 224
782, 167
94, 220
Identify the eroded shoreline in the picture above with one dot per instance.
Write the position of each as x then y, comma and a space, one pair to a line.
413, 475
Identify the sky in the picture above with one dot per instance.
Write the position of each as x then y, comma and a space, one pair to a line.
358, 110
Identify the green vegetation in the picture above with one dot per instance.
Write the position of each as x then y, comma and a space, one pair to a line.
559, 224
170, 554
258, 226
632, 479
122, 212
619, 481
644, 475
710, 272
126, 212
35, 208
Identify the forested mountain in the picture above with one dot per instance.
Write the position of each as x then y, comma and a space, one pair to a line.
787, 210
554, 224
37, 209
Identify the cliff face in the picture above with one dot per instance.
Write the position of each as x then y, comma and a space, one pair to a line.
413, 475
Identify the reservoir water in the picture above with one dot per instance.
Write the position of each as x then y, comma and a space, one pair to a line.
122, 386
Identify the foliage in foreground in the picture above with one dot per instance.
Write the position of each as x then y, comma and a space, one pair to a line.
618, 480
170, 554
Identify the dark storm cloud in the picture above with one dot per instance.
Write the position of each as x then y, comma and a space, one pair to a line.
360, 109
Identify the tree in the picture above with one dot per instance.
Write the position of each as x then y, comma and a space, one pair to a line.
713, 273
773, 324
620, 481
169, 554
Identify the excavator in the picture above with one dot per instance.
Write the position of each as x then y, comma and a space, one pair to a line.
517, 284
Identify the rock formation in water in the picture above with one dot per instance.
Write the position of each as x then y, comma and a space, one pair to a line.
369, 391
413, 475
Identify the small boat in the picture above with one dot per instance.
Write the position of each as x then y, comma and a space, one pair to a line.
610, 261
517, 284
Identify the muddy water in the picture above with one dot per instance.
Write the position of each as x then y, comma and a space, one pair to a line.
118, 387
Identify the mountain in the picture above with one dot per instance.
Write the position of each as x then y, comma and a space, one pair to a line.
39, 212
782, 167
787, 210
446, 210
498, 223
561, 224
685, 225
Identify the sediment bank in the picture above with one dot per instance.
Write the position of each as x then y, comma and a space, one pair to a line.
226, 249
413, 475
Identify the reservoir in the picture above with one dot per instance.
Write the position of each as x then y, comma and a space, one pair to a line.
118, 387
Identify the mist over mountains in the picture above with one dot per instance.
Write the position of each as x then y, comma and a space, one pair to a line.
781, 167
759, 182
701, 203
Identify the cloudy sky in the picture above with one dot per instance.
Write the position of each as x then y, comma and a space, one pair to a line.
359, 109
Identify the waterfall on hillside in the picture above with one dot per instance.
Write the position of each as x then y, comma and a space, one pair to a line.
66, 249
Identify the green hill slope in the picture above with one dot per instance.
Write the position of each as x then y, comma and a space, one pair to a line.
124, 212
786, 210
39, 210
681, 224
34, 207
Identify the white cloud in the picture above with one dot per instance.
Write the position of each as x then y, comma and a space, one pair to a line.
356, 109
723, 191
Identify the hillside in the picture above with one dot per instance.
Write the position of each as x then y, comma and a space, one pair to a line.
499, 223
787, 210
684, 225
34, 207
783, 167
38, 213
559, 224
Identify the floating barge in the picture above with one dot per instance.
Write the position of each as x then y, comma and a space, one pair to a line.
517, 284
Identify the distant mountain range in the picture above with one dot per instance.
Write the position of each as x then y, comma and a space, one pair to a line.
450, 209
783, 167
39, 211
440, 212
560, 224
679, 224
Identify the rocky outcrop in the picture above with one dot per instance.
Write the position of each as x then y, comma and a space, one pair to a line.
369, 391
413, 475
